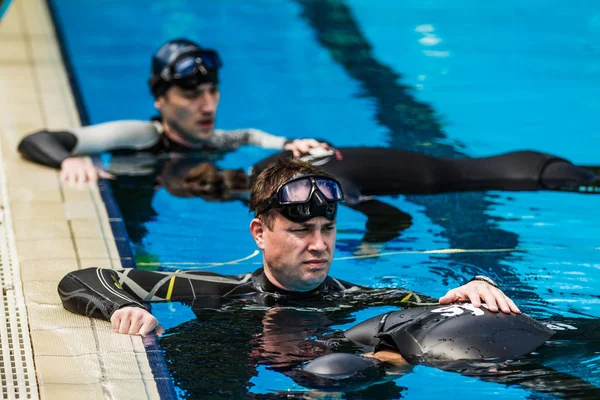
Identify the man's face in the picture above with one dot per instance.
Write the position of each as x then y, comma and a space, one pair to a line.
190, 113
297, 256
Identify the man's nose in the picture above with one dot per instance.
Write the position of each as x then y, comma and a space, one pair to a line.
317, 242
208, 103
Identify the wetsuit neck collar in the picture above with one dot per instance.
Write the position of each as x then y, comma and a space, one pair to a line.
263, 284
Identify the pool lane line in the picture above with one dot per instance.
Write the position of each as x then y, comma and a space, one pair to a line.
208, 264
192, 263
160, 372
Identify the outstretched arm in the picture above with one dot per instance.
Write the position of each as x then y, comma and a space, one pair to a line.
259, 138
60, 149
118, 295
96, 292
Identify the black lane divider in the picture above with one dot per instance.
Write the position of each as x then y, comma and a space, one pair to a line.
164, 382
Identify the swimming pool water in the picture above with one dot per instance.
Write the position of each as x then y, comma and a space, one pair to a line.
475, 79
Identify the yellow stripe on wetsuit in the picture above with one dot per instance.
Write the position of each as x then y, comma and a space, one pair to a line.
171, 285
405, 298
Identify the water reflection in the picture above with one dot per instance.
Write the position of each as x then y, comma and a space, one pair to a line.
234, 345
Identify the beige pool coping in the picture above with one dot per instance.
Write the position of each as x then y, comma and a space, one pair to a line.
57, 228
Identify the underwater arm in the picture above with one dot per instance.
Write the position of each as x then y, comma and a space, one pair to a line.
384, 222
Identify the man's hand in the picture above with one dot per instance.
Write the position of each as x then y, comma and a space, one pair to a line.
302, 146
75, 170
475, 291
133, 321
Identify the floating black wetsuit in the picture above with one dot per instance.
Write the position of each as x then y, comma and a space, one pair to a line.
97, 292
454, 332
438, 333
365, 172
378, 171
458, 337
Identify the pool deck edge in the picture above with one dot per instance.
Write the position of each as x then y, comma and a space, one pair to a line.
57, 228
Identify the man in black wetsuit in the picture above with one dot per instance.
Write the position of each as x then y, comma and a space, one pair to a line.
184, 83
295, 205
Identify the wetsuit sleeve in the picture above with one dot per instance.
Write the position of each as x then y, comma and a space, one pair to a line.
116, 135
400, 297
266, 140
95, 292
229, 140
51, 148
369, 297
48, 148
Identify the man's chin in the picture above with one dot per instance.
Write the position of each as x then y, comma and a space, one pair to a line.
204, 134
314, 279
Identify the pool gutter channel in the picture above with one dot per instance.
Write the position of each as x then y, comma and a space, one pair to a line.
48, 229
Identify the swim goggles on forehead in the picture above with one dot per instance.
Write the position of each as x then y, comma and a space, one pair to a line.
304, 197
192, 65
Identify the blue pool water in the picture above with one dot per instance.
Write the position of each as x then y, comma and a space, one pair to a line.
476, 80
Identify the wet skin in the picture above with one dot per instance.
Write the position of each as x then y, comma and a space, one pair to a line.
189, 114
296, 256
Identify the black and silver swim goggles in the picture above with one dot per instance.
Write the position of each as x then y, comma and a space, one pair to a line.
304, 197
192, 68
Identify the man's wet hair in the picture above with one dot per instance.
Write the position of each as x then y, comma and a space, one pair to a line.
271, 178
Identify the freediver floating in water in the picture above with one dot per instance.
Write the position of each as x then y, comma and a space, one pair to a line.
433, 334
458, 337
368, 172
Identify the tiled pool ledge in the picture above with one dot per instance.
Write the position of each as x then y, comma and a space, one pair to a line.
54, 229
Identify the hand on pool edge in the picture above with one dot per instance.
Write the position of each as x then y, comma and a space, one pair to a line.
134, 321
475, 291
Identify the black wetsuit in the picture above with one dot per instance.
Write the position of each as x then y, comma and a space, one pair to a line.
98, 293
461, 338
365, 172
379, 171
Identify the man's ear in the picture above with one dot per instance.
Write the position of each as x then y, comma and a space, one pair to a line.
257, 230
159, 102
